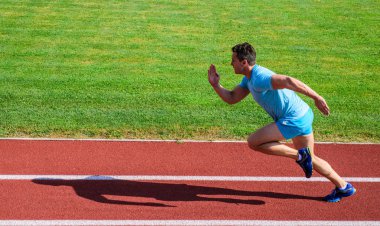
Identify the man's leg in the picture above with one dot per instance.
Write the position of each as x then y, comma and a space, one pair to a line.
343, 189
266, 140
320, 165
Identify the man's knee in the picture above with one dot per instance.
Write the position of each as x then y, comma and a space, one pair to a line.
253, 144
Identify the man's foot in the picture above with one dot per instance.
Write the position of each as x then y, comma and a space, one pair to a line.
305, 162
338, 193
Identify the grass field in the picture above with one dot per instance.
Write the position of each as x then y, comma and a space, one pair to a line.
138, 69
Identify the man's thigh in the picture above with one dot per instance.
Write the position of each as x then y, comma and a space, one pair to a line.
266, 134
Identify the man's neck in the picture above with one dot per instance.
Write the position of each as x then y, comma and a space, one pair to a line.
248, 72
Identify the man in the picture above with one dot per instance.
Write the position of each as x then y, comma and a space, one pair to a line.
292, 117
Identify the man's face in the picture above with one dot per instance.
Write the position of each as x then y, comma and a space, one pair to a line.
236, 64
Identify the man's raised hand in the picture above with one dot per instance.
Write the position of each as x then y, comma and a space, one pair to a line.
213, 76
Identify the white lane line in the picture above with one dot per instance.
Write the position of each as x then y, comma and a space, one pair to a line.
188, 222
181, 178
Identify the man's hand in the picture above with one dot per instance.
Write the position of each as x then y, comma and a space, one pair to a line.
213, 76
322, 105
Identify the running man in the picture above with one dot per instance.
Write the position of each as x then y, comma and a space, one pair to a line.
292, 117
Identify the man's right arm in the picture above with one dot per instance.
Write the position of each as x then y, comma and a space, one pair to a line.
231, 97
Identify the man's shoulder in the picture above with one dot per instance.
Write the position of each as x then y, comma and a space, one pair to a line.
260, 70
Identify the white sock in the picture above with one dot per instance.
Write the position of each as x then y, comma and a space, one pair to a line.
344, 187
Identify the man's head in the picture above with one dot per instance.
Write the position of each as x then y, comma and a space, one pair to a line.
245, 51
243, 56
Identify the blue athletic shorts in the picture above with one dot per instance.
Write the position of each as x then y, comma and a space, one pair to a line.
290, 127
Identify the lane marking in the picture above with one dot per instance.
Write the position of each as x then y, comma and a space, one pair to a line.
188, 222
181, 178
157, 140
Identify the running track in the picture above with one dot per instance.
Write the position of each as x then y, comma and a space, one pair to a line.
89, 182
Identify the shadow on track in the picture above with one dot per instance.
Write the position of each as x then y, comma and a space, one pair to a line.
97, 187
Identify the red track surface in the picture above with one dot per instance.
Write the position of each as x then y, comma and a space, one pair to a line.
200, 200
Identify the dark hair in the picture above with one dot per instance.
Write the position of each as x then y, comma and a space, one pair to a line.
245, 51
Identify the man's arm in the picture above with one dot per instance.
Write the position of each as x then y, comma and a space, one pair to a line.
230, 97
287, 82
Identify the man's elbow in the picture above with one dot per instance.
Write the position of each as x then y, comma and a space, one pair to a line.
232, 101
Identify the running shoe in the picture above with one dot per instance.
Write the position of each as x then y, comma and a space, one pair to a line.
337, 194
306, 162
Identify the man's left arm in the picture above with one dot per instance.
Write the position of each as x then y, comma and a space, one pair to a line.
287, 82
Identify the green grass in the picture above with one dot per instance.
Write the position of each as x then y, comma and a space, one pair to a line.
138, 69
